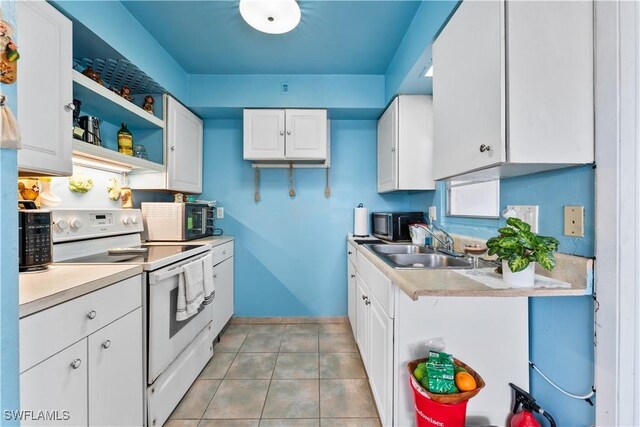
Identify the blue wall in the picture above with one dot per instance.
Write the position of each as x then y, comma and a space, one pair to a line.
560, 329
9, 361
290, 253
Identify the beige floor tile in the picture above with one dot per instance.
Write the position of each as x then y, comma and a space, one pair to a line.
230, 342
217, 367
296, 366
238, 399
337, 343
300, 343
301, 328
335, 328
267, 329
180, 423
350, 422
252, 366
346, 399
229, 423
194, 403
292, 399
341, 365
238, 328
261, 343
292, 422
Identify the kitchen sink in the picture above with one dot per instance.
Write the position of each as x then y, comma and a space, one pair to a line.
407, 256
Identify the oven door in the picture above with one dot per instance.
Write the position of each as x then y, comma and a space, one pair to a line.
195, 221
382, 225
168, 337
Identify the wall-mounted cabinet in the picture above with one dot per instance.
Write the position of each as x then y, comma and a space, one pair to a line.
183, 136
44, 90
405, 145
280, 135
513, 89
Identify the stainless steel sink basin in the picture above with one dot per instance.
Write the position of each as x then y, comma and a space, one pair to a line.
400, 249
407, 256
432, 260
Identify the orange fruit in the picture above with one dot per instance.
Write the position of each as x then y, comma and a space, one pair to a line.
465, 381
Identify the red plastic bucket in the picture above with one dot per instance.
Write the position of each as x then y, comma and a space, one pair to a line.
430, 413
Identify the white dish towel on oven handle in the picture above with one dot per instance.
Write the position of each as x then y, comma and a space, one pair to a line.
190, 290
209, 285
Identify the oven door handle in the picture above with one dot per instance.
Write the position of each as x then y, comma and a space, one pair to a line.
164, 275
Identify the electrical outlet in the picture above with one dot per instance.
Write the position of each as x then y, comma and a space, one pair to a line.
432, 214
527, 213
574, 221
284, 88
219, 212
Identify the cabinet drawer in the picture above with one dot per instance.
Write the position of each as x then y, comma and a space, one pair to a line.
351, 253
222, 252
49, 331
379, 285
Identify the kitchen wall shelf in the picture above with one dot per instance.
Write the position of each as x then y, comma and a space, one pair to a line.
110, 157
108, 106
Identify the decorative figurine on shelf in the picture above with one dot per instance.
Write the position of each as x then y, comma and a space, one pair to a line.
93, 75
125, 92
8, 54
148, 104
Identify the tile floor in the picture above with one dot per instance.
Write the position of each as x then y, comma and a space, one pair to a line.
281, 375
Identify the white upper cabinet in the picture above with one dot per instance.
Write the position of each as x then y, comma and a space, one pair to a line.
279, 135
513, 89
405, 145
183, 147
44, 89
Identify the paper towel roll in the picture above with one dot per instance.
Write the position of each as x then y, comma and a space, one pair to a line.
361, 221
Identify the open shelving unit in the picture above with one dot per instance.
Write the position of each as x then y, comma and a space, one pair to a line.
104, 155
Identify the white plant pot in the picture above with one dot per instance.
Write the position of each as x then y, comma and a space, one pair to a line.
521, 279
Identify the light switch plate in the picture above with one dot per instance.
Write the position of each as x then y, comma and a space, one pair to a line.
220, 212
574, 221
527, 213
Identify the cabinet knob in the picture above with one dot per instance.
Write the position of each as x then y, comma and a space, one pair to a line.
215, 276
70, 107
173, 148
281, 132
106, 344
349, 252
353, 276
367, 302
288, 132
224, 252
484, 148
76, 363
393, 149
364, 297
92, 314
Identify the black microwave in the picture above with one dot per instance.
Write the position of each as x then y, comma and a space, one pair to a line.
394, 225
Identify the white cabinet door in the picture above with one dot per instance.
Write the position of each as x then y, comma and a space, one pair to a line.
58, 383
183, 139
44, 89
223, 301
306, 134
362, 320
380, 367
115, 373
263, 134
351, 295
468, 90
387, 149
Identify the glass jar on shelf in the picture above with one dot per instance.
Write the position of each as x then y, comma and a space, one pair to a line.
140, 151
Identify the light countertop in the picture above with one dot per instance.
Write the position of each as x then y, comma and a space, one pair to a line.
443, 282
209, 240
61, 283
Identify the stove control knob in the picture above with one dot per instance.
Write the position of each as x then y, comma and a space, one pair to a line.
62, 224
134, 220
126, 220
75, 224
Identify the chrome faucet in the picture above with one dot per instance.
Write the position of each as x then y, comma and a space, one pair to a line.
447, 242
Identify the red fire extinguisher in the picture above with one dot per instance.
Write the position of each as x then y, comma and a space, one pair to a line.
525, 418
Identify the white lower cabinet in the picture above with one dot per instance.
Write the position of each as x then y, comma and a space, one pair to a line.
223, 301
381, 359
115, 373
362, 320
57, 384
351, 295
98, 378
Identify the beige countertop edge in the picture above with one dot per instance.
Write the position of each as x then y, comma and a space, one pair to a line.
417, 283
72, 291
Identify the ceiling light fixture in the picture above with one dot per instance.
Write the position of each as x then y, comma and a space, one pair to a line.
271, 16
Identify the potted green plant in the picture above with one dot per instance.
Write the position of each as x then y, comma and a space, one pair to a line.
519, 249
